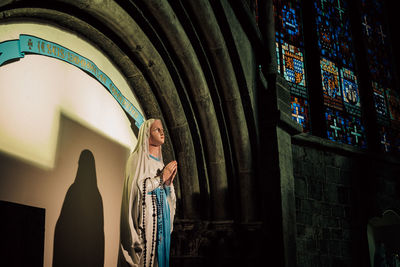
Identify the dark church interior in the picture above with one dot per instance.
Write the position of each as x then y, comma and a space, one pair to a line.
283, 116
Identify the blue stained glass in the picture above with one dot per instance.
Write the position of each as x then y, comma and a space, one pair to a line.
345, 129
330, 84
351, 96
290, 20
290, 56
379, 99
334, 34
335, 125
376, 43
300, 113
278, 57
326, 29
355, 133
287, 21
346, 54
293, 66
350, 87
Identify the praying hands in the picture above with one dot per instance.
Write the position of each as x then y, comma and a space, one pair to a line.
169, 172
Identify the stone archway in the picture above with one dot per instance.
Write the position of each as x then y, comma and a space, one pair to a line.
169, 70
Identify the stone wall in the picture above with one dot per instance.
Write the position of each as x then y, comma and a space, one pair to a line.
323, 207
217, 244
338, 189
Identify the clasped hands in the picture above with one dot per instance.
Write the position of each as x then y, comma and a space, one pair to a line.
169, 172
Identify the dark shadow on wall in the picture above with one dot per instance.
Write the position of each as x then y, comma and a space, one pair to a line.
79, 232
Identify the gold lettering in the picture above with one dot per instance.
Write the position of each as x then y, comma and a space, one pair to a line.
48, 49
89, 66
56, 51
82, 62
62, 53
76, 59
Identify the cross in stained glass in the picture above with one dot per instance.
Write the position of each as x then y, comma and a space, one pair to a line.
322, 4
382, 34
385, 143
340, 9
367, 27
355, 133
297, 115
335, 127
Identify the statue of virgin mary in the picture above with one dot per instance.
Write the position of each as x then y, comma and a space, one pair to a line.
148, 202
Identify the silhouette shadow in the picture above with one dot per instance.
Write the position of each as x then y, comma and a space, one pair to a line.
79, 231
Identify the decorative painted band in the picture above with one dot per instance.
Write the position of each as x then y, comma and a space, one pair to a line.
16, 49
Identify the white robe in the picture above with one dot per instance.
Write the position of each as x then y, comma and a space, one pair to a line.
139, 167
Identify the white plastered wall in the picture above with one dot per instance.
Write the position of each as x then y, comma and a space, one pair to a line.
34, 92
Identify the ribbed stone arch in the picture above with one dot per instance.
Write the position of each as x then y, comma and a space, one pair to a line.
231, 98
185, 53
125, 27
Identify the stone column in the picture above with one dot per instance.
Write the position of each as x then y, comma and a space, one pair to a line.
275, 155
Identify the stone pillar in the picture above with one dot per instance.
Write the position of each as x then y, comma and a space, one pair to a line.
275, 155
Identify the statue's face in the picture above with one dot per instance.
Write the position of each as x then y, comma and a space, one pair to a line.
156, 134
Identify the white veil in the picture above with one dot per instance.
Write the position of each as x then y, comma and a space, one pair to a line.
139, 167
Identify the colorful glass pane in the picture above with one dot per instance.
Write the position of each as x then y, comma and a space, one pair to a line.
345, 129
375, 37
394, 104
390, 139
326, 29
379, 99
300, 112
334, 34
385, 141
330, 84
378, 58
293, 68
350, 92
287, 21
355, 133
345, 40
290, 56
278, 57
335, 125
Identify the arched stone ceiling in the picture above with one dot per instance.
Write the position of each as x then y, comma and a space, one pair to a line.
173, 81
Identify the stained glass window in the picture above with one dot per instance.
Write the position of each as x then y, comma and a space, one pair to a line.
386, 98
290, 56
339, 87
338, 74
